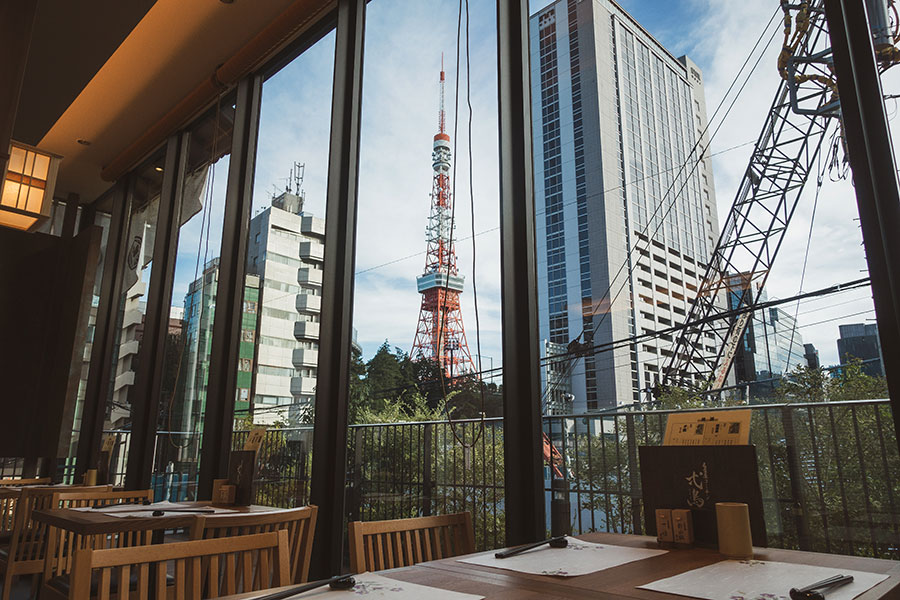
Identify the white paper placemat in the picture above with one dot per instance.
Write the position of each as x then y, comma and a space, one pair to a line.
146, 510
578, 558
377, 586
757, 579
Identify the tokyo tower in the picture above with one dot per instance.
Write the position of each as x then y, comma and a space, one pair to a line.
440, 335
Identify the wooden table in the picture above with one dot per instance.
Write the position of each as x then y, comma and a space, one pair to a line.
619, 582
91, 522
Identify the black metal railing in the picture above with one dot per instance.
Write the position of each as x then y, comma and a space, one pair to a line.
829, 472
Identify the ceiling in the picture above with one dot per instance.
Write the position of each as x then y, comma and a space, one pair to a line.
106, 72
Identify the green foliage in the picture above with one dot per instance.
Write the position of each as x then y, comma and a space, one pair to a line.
849, 382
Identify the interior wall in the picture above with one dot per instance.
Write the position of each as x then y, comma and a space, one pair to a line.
45, 299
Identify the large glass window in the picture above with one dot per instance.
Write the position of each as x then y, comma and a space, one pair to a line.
278, 353
136, 269
192, 309
426, 433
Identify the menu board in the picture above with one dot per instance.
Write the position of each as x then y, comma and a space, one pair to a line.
696, 477
712, 428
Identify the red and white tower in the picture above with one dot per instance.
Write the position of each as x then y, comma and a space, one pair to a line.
440, 335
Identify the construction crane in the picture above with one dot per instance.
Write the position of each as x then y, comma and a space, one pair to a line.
805, 109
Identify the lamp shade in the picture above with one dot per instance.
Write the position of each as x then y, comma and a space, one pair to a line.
27, 187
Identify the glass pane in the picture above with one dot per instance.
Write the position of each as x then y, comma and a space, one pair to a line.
101, 220
278, 354
426, 366
627, 221
193, 307
136, 271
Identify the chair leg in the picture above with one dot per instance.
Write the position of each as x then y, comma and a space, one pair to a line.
7, 583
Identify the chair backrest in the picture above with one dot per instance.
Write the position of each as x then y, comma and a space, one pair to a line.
13, 481
376, 545
28, 536
100, 497
201, 569
300, 524
62, 543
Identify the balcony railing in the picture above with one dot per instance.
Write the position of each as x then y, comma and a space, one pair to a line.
828, 472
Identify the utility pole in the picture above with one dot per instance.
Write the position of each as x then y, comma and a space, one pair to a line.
874, 173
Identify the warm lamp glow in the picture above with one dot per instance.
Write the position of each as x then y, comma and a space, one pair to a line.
27, 187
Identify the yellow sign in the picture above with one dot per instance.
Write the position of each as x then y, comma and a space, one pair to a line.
255, 439
109, 441
714, 428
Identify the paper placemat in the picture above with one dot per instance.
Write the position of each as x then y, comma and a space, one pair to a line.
146, 510
377, 586
757, 579
578, 558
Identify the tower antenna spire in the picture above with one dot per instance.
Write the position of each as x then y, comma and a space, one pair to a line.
441, 118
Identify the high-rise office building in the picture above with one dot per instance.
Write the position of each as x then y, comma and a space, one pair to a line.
286, 252
771, 345
860, 340
624, 201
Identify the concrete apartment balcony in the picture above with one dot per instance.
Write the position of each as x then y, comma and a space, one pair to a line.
313, 251
303, 357
125, 379
313, 226
131, 318
307, 276
309, 304
303, 386
305, 330
129, 348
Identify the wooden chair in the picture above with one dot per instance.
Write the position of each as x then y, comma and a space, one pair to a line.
201, 569
25, 553
376, 545
300, 524
20, 482
62, 544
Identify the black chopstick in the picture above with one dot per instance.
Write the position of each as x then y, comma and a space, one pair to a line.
555, 542
809, 592
345, 582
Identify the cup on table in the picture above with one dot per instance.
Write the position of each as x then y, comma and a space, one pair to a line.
733, 524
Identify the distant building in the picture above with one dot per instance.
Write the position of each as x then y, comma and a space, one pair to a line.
812, 356
614, 116
199, 311
286, 252
771, 345
860, 340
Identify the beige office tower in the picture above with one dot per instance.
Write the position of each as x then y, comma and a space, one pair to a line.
624, 200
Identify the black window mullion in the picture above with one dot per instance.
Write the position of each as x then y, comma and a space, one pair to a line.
218, 421
329, 463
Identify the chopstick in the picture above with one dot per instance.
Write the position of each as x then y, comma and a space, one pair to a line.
554, 542
809, 592
338, 582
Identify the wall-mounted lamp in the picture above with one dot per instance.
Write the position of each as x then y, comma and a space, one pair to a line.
27, 187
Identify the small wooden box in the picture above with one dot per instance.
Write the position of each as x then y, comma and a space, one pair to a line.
224, 494
682, 526
664, 529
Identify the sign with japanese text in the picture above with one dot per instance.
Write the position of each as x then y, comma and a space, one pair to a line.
712, 428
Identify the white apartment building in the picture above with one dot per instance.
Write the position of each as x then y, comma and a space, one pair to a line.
286, 251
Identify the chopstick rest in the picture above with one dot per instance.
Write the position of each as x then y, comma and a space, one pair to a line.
811, 592
554, 542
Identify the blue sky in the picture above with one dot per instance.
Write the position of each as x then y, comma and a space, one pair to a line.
405, 39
